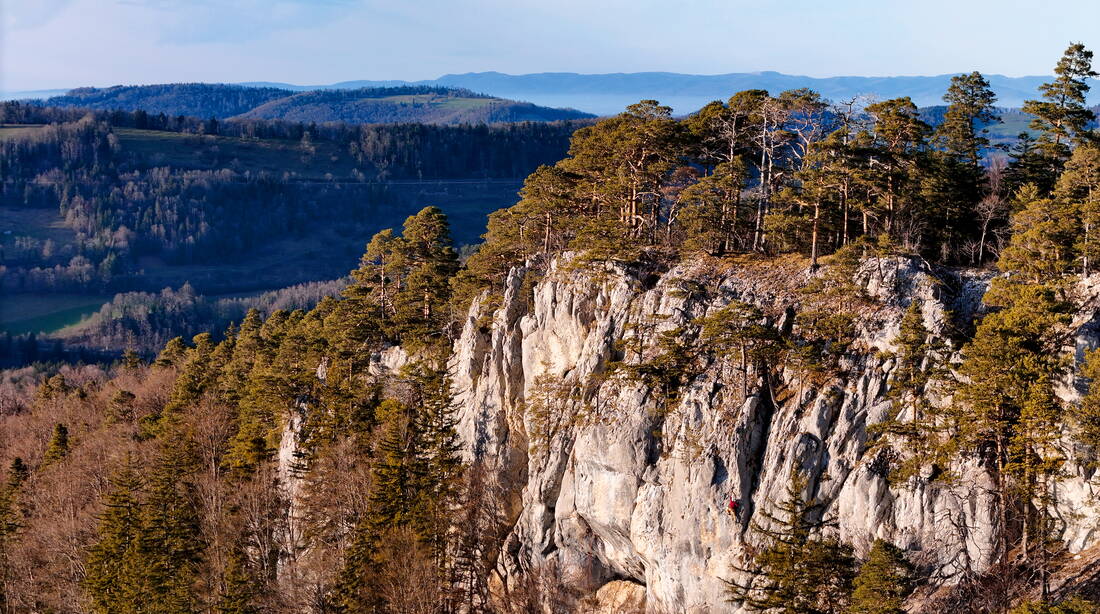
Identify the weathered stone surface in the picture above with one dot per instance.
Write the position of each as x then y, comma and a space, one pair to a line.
631, 488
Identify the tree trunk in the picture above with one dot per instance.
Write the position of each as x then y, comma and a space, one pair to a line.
813, 240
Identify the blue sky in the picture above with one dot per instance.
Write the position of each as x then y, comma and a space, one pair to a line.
67, 43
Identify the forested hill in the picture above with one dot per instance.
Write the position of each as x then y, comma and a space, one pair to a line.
407, 104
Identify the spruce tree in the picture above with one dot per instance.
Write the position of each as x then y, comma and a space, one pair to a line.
58, 447
797, 571
115, 566
883, 582
241, 588
170, 541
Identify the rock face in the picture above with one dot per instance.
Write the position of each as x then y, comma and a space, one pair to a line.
611, 481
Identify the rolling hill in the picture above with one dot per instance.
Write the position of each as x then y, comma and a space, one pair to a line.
402, 104
606, 94
431, 105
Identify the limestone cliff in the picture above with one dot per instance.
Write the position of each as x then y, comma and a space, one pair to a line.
615, 484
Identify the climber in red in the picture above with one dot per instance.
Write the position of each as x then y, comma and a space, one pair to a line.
734, 508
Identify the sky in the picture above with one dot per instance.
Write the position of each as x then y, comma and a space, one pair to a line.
47, 44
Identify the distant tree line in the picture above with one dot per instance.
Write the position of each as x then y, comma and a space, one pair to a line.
145, 321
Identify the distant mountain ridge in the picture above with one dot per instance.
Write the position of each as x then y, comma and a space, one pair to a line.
605, 94
393, 104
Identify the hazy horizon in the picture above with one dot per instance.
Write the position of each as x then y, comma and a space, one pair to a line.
49, 44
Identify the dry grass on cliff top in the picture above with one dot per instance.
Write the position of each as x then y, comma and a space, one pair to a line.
783, 274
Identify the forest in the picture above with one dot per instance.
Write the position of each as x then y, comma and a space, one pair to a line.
274, 463
128, 188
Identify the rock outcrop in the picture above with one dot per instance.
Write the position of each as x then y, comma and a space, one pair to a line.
614, 481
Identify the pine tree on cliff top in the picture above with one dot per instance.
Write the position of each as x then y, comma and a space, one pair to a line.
1062, 115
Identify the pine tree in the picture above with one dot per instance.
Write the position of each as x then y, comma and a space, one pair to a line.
443, 466
1086, 414
173, 353
10, 518
421, 306
1062, 115
58, 447
131, 360
711, 208
1072, 605
740, 329
1044, 235
797, 571
396, 500
884, 580
970, 109
915, 421
899, 138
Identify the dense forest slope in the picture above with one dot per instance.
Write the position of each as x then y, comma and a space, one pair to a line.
405, 104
